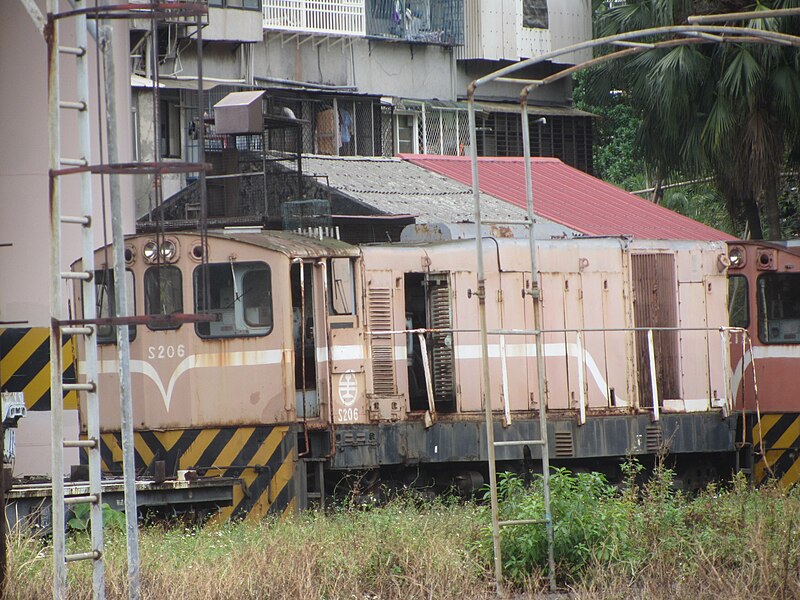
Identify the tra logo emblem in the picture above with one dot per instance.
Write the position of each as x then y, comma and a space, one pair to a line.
348, 388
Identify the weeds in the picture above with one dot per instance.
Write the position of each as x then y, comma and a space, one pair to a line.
400, 551
647, 541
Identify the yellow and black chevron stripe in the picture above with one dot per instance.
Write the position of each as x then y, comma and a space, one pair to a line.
776, 443
263, 458
25, 365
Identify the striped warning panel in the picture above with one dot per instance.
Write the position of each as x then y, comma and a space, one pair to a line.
25, 365
263, 458
776, 442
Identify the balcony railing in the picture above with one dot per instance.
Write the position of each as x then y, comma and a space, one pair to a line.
421, 21
330, 17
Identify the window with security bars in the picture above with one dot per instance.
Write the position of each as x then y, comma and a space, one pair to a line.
335, 126
422, 21
444, 131
564, 137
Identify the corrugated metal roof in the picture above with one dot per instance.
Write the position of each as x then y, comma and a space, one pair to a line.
290, 244
572, 198
393, 186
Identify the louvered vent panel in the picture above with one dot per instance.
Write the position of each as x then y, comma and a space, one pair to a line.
655, 438
442, 350
380, 319
564, 444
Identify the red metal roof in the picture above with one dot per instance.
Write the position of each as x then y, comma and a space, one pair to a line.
571, 197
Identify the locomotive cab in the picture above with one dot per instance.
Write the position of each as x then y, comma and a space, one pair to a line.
244, 343
764, 300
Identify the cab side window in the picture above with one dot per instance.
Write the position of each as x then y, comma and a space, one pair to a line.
341, 291
238, 294
106, 304
738, 301
778, 296
163, 293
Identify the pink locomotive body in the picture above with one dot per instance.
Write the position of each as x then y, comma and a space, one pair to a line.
324, 360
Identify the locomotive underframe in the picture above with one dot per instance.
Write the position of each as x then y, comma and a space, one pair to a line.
410, 443
452, 454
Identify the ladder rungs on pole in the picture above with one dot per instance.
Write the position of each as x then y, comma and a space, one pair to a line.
88, 499
79, 105
521, 443
93, 555
77, 330
80, 387
74, 50
74, 162
81, 220
84, 275
523, 522
80, 443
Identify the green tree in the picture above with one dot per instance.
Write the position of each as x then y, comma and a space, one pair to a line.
731, 111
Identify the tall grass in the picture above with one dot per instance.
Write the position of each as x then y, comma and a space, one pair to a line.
400, 551
643, 542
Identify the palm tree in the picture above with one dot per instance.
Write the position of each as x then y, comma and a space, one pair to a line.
725, 110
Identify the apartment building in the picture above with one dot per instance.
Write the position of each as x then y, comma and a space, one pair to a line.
361, 78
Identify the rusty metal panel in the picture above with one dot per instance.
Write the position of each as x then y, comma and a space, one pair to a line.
379, 318
519, 348
694, 345
619, 367
555, 344
655, 305
595, 363
467, 344
573, 319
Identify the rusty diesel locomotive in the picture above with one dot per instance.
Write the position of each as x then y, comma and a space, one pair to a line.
326, 367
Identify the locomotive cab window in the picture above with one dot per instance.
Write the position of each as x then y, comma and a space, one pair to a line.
341, 291
163, 293
778, 296
738, 303
239, 294
106, 303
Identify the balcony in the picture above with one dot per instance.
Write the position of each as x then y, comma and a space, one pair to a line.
325, 17
420, 21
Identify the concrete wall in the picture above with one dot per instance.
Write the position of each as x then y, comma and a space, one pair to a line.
24, 205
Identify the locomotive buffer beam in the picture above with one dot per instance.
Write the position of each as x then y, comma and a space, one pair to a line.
30, 504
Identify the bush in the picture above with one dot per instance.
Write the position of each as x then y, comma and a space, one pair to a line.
590, 524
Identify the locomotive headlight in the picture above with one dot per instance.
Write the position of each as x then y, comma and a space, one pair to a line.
737, 257
150, 251
168, 250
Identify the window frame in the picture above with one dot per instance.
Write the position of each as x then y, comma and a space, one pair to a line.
156, 269
107, 281
763, 336
532, 17
746, 296
224, 4
351, 297
238, 271
414, 131
169, 114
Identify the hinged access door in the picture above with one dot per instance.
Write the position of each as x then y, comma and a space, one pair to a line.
308, 334
428, 307
655, 298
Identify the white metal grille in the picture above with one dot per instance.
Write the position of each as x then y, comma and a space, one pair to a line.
444, 131
332, 17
